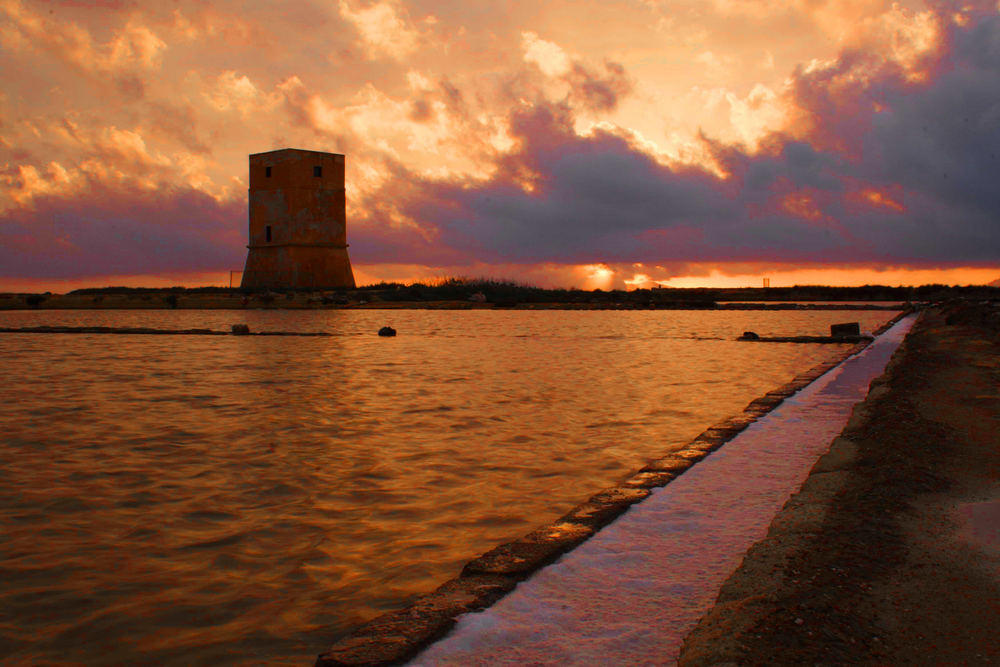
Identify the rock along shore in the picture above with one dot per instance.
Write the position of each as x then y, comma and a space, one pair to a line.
890, 552
395, 637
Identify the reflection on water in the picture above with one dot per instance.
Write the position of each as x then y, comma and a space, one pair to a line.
612, 601
189, 500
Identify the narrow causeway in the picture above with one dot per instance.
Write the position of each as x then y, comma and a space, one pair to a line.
631, 593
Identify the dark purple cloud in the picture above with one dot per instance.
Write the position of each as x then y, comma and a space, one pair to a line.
934, 144
596, 91
122, 232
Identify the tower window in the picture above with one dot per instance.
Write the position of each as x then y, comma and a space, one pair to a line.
267, 172
317, 172
267, 231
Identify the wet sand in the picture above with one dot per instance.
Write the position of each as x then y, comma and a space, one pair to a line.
889, 554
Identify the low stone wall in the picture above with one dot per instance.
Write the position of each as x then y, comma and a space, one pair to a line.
149, 331
395, 637
806, 339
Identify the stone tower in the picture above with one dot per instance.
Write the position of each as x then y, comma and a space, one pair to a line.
298, 221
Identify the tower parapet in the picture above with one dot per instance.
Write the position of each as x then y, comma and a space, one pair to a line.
298, 221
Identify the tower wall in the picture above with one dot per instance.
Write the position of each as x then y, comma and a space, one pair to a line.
298, 221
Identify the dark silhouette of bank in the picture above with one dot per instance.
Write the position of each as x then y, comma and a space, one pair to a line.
463, 293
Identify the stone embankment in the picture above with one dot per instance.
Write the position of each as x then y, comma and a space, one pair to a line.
806, 339
890, 552
395, 637
238, 330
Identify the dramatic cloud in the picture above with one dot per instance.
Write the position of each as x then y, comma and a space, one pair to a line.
594, 145
890, 169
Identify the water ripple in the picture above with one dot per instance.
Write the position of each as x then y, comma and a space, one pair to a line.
216, 500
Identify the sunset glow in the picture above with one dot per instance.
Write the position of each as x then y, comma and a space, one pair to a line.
664, 142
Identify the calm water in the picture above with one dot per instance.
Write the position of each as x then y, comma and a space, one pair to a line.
205, 500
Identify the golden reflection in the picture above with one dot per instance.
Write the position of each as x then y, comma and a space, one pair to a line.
179, 500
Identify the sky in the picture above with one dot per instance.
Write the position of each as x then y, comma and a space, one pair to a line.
611, 144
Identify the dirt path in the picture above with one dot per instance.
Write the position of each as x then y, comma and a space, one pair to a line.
890, 553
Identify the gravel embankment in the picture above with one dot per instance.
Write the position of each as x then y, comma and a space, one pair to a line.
890, 553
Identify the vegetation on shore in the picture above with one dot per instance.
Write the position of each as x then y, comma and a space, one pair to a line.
483, 292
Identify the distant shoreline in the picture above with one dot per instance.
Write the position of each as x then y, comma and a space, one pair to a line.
480, 294
58, 304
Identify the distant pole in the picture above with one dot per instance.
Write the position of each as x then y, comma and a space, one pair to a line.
231, 278
767, 282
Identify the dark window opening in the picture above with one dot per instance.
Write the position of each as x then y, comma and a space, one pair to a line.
317, 171
267, 172
267, 231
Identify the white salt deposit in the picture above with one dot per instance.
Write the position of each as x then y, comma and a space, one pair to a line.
630, 594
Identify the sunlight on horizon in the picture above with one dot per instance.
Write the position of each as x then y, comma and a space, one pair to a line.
587, 277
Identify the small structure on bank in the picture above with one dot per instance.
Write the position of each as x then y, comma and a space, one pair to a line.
298, 221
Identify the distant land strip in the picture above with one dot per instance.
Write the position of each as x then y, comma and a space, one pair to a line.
231, 303
482, 293
395, 637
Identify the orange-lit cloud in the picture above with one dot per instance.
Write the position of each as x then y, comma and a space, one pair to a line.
383, 29
802, 205
527, 141
838, 277
878, 199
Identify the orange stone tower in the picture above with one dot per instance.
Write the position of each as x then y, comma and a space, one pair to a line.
298, 221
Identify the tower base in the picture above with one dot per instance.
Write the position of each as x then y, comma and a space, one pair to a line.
297, 267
